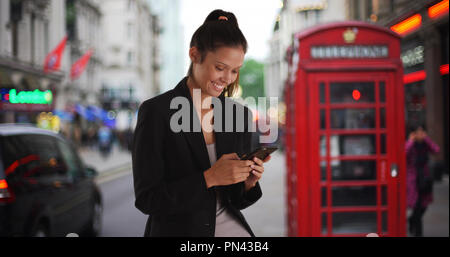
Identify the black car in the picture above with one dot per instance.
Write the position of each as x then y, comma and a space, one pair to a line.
45, 189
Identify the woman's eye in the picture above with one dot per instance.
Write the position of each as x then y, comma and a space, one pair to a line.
235, 72
219, 69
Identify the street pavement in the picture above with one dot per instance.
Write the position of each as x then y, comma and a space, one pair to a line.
436, 218
117, 159
267, 216
120, 217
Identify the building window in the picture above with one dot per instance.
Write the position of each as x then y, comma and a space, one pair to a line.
15, 17
130, 5
369, 4
33, 37
46, 37
317, 16
357, 8
130, 58
130, 29
415, 104
71, 19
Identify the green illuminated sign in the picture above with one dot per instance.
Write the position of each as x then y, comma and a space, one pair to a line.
30, 97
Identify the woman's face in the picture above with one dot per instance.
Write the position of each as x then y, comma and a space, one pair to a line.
218, 69
420, 134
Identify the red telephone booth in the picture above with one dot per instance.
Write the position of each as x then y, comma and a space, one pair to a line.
345, 132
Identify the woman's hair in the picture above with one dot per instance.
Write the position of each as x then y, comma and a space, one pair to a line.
219, 29
414, 127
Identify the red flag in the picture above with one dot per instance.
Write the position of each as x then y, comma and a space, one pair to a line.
53, 59
79, 66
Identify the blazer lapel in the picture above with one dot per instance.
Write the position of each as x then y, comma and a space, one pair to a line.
195, 139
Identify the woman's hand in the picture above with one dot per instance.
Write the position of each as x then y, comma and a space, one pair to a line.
229, 169
412, 136
256, 173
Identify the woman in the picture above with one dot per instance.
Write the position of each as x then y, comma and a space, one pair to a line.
418, 177
193, 183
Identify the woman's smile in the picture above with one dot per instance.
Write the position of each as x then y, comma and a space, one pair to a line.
218, 87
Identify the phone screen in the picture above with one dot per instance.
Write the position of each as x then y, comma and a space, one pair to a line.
260, 153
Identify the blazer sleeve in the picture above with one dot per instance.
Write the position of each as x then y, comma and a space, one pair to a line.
153, 193
239, 198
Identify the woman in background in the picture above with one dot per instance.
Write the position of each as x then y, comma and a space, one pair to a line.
418, 177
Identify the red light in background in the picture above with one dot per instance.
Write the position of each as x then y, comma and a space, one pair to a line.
443, 69
408, 25
7, 97
3, 184
438, 9
414, 77
6, 195
356, 95
422, 75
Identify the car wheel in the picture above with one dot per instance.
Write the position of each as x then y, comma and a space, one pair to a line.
95, 225
97, 219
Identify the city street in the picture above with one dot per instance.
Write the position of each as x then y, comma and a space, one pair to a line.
355, 93
267, 217
120, 217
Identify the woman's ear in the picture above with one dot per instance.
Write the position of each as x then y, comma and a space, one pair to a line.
194, 55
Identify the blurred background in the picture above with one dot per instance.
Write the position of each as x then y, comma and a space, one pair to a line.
81, 68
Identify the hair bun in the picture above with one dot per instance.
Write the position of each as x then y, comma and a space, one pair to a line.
221, 15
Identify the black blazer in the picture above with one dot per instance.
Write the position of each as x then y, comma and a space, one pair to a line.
168, 170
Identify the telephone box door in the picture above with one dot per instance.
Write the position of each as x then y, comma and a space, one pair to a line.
355, 173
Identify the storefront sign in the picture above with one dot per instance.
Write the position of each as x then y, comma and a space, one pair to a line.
349, 52
28, 101
413, 57
26, 97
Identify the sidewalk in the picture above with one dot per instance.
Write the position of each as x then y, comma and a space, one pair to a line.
267, 217
436, 218
118, 160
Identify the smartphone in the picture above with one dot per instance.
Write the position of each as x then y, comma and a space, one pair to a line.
260, 153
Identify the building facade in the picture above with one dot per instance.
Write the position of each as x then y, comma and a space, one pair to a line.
83, 30
172, 66
28, 32
295, 16
131, 50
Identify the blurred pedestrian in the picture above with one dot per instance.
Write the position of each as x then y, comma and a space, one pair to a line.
419, 179
105, 141
194, 184
129, 139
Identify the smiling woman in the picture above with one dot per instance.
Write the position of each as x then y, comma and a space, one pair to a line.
194, 183
218, 45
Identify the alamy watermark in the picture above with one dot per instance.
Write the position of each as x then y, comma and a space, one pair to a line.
234, 120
